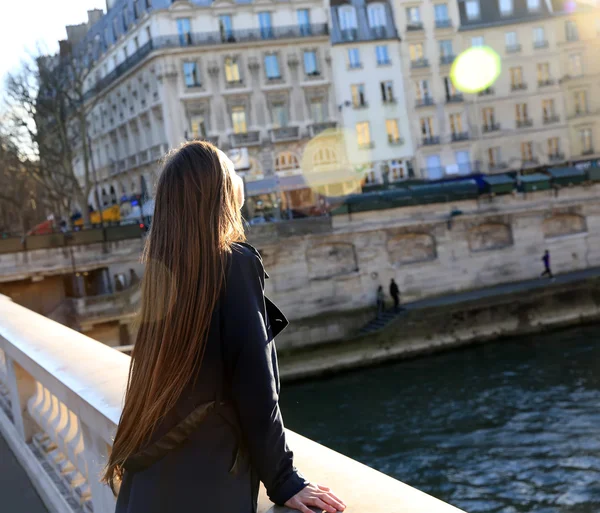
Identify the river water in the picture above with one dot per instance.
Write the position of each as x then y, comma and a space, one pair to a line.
511, 426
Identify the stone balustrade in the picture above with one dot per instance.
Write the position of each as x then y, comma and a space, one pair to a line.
60, 400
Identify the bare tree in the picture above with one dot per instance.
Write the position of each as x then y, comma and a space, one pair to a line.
49, 112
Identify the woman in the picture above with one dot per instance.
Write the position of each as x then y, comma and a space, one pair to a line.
201, 423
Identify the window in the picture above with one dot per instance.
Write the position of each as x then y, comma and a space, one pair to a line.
575, 65
238, 120
279, 114
434, 167
516, 77
125, 20
441, 12
521, 113
107, 40
533, 5
148, 34
148, 4
506, 7
477, 41
413, 16
190, 74
272, 67
317, 110
376, 15
136, 9
511, 41
422, 90
472, 9
184, 30
527, 151
416, 52
226, 28
381, 52
363, 134
303, 17
543, 72
286, 161
446, 49
581, 105
387, 91
114, 28
456, 126
548, 109
539, 37
197, 127
358, 95
449, 88
310, 63
585, 136
396, 170
136, 43
494, 156
571, 32
125, 54
347, 17
489, 118
426, 127
354, 58
266, 28
553, 147
391, 127
232, 70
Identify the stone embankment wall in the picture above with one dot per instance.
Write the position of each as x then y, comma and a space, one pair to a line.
326, 282
428, 330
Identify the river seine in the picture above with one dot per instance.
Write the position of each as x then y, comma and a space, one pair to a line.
511, 426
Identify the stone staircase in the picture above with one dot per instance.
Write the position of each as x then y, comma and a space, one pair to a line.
381, 322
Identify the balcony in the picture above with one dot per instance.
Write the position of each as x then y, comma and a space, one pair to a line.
459, 136
491, 127
513, 48
395, 141
455, 98
317, 128
388, 101
360, 105
447, 59
349, 34
431, 141
497, 166
379, 32
548, 120
234, 84
546, 83
518, 87
143, 156
419, 64
556, 157
158, 151
588, 151
524, 123
366, 145
580, 113
251, 138
540, 44
61, 398
487, 92
213, 139
442, 24
426, 101
285, 133
413, 26
529, 162
132, 161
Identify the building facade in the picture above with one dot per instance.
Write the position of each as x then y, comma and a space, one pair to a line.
370, 90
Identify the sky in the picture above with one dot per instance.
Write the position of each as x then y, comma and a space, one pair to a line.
25, 24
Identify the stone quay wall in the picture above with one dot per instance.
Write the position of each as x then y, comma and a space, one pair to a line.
325, 279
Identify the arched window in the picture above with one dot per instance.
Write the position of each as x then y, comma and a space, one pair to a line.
324, 157
376, 14
286, 161
113, 195
347, 17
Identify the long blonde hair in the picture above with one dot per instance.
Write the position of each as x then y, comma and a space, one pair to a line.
196, 220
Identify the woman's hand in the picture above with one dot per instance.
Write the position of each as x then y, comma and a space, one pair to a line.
316, 496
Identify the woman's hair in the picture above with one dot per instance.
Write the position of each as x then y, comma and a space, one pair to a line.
196, 220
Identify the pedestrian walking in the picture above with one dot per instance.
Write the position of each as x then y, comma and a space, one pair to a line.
395, 293
380, 301
547, 269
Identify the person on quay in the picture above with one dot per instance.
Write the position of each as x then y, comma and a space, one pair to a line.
201, 424
547, 269
380, 301
395, 293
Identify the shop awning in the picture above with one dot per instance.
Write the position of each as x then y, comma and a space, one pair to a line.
499, 184
535, 182
264, 186
567, 175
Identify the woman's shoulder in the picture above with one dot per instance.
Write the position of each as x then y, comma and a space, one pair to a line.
245, 256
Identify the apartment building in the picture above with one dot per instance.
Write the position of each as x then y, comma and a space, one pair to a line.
439, 115
367, 64
540, 111
253, 78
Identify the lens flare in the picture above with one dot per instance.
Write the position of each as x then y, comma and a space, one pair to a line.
475, 69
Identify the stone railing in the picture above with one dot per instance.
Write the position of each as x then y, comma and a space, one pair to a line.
60, 401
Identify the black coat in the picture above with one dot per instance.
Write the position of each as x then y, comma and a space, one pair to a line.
215, 466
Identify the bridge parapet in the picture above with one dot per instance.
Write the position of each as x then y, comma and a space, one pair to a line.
60, 401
